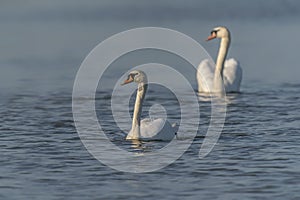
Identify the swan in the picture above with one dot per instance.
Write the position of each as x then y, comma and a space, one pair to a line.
227, 73
146, 129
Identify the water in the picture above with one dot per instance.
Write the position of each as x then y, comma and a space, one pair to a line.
42, 157
257, 155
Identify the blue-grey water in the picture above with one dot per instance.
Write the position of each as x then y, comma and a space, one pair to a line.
42, 47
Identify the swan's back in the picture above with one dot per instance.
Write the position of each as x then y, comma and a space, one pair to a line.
232, 75
205, 75
157, 129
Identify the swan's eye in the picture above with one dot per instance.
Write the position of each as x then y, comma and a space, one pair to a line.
131, 76
214, 32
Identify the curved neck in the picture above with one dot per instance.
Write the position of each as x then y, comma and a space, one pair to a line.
136, 120
224, 46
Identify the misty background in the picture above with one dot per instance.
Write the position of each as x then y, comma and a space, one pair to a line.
43, 43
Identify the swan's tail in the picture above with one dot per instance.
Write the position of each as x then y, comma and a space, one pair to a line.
175, 126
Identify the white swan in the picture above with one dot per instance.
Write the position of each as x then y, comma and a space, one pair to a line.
227, 72
146, 129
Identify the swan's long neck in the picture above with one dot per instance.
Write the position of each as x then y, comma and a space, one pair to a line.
218, 79
136, 121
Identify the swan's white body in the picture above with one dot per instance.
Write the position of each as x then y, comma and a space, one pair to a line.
210, 77
232, 76
154, 129
146, 129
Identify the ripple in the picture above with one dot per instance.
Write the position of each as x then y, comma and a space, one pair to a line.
257, 154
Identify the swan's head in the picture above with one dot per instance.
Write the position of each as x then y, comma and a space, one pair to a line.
137, 76
219, 32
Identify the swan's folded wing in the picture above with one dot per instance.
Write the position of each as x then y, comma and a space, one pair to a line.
232, 75
150, 127
157, 129
205, 75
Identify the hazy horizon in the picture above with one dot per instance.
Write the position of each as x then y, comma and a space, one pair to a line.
44, 42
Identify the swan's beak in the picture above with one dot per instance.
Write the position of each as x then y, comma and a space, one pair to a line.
212, 36
129, 80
